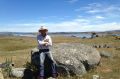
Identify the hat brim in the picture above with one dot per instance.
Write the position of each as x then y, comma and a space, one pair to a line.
43, 30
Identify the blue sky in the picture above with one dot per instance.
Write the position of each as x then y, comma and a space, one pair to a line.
59, 15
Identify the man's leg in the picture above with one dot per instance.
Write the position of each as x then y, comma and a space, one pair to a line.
54, 72
42, 59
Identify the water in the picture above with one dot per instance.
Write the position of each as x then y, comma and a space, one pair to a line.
27, 35
116, 34
69, 35
80, 35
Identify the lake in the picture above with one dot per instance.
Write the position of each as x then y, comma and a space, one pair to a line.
80, 35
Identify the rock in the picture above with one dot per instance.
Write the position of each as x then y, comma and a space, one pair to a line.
102, 46
51, 78
75, 58
96, 77
99, 46
117, 38
14, 72
105, 45
105, 54
17, 72
95, 46
117, 48
1, 75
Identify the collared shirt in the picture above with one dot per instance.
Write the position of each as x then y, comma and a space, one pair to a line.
41, 42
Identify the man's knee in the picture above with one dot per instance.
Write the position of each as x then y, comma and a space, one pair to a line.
42, 63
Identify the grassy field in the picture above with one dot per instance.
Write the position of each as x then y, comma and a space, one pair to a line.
18, 48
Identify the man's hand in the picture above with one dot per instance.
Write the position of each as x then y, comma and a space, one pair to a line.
45, 43
46, 40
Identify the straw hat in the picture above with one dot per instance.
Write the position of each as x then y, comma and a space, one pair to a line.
43, 28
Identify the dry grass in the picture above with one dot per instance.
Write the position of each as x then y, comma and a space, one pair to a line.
18, 48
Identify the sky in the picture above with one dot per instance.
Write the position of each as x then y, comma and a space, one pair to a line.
59, 15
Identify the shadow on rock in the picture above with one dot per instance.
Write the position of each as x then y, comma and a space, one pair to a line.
28, 74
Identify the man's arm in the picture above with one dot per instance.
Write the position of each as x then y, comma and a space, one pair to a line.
41, 42
49, 41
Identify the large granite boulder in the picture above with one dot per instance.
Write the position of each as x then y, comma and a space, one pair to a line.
74, 58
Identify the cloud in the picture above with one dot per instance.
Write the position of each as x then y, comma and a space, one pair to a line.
96, 22
82, 26
101, 8
98, 13
75, 25
96, 8
72, 1
105, 27
99, 17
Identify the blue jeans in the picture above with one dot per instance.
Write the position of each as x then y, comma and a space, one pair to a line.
42, 59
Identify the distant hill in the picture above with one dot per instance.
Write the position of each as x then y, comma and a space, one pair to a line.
115, 31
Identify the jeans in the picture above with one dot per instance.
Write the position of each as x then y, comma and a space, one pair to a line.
43, 53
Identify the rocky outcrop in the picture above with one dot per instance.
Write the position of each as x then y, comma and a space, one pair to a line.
74, 58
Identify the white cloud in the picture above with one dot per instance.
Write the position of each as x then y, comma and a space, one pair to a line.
102, 8
99, 17
98, 13
72, 1
106, 26
65, 27
76, 25
94, 8
81, 27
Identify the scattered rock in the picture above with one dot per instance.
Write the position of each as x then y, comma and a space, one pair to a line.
96, 77
117, 37
117, 48
105, 54
51, 78
17, 72
95, 46
102, 46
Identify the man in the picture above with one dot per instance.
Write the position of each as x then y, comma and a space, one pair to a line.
44, 43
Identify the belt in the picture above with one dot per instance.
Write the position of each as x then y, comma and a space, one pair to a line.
43, 50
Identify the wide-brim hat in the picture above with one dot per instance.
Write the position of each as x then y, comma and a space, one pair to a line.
43, 28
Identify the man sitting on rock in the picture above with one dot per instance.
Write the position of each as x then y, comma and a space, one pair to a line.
44, 43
